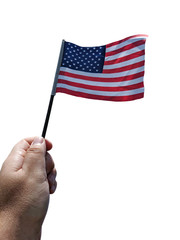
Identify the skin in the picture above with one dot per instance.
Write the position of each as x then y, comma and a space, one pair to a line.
27, 178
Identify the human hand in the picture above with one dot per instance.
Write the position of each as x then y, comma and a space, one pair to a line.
27, 178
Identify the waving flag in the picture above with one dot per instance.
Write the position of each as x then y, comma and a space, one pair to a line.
111, 72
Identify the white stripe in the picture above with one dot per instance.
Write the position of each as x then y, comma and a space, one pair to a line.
103, 75
125, 63
101, 84
120, 45
102, 93
125, 53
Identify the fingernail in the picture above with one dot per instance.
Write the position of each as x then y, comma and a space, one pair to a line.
38, 141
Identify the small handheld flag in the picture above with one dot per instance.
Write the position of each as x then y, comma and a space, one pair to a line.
112, 72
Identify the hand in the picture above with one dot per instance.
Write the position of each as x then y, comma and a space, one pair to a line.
27, 178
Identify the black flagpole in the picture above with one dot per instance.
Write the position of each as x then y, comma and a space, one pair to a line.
53, 93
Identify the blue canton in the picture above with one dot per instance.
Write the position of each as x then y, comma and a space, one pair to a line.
87, 59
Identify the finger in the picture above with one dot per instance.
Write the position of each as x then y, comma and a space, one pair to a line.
15, 159
52, 179
34, 160
53, 188
52, 176
48, 143
49, 163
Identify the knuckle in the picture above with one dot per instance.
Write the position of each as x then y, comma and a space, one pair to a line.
36, 150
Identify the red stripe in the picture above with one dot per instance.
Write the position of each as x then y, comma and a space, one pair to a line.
126, 58
125, 48
97, 97
100, 88
125, 68
125, 39
101, 79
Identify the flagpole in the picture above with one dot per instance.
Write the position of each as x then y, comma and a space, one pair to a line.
53, 92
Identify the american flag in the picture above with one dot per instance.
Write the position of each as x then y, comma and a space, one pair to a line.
112, 72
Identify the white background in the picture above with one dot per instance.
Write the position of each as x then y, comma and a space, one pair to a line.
118, 163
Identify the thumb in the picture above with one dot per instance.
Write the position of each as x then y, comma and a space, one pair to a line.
34, 160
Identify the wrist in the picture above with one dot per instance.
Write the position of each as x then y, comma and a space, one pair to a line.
12, 228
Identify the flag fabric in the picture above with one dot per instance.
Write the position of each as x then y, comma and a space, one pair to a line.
112, 72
